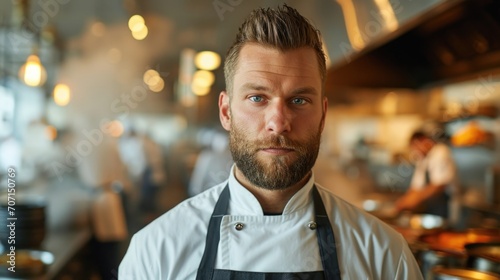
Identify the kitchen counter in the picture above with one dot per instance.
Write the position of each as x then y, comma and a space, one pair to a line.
67, 219
63, 245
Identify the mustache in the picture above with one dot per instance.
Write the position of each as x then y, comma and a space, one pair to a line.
278, 141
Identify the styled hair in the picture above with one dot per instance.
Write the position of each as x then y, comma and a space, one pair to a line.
282, 28
418, 135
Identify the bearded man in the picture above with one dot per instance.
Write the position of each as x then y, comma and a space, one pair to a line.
269, 220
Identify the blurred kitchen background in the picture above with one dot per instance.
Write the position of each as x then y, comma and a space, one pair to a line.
108, 109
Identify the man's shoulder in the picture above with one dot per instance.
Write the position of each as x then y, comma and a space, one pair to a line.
361, 236
353, 219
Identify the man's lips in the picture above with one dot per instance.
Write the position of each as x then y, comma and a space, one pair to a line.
277, 150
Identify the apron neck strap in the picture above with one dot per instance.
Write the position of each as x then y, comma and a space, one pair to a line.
207, 265
326, 239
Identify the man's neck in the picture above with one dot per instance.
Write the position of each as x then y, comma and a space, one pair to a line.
271, 201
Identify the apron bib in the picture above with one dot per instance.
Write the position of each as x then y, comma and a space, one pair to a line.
437, 205
324, 233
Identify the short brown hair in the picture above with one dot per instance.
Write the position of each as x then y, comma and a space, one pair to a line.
282, 28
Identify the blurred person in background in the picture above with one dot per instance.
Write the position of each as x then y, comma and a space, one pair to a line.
102, 171
269, 219
10, 157
433, 188
144, 161
10, 153
212, 165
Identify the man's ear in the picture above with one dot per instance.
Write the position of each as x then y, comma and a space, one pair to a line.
325, 109
224, 110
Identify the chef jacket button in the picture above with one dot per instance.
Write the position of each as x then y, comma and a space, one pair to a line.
312, 225
238, 226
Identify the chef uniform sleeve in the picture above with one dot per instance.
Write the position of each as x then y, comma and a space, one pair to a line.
408, 268
136, 264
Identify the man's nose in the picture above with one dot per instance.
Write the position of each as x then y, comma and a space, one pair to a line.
278, 118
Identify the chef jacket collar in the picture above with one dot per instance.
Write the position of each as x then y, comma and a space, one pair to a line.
243, 202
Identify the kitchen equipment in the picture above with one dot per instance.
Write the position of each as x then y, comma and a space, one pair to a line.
455, 241
421, 221
25, 222
380, 208
412, 226
430, 259
484, 256
386, 211
28, 263
441, 273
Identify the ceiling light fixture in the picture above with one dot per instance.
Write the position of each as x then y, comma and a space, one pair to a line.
203, 78
62, 94
32, 73
207, 60
137, 26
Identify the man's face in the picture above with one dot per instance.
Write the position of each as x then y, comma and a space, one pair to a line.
275, 115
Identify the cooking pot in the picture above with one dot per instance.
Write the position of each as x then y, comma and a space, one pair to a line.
29, 225
455, 241
413, 226
484, 256
431, 259
441, 273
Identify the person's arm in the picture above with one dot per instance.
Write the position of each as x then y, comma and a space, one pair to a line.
441, 170
414, 198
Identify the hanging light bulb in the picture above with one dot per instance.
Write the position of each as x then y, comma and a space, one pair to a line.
207, 60
141, 34
203, 78
136, 23
138, 27
32, 72
62, 94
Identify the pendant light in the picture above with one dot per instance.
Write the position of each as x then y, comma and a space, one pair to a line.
32, 72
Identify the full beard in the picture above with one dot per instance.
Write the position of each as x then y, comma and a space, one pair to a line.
277, 172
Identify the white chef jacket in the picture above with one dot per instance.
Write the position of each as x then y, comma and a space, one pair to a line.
171, 247
441, 166
442, 170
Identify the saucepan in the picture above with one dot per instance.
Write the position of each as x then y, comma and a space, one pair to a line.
455, 241
447, 248
441, 273
386, 211
430, 259
484, 256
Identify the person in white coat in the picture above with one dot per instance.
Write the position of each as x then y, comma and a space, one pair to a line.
269, 220
434, 187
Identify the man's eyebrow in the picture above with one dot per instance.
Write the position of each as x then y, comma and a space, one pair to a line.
257, 87
252, 86
304, 90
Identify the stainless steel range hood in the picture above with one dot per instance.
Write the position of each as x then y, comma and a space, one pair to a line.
454, 40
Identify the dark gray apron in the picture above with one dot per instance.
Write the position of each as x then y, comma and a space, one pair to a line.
326, 243
437, 205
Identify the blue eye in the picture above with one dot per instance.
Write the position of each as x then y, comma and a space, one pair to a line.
256, 98
298, 101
